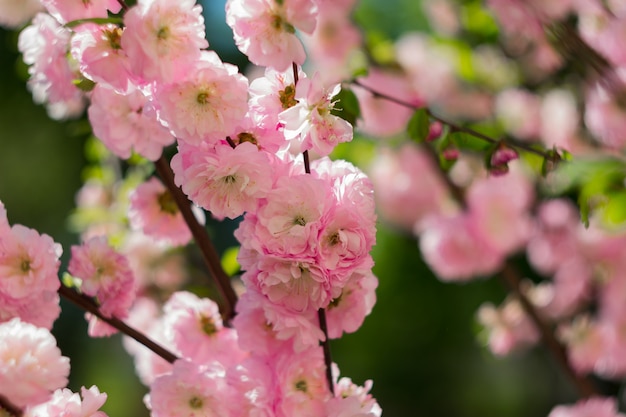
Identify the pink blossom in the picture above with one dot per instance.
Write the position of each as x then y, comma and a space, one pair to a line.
145, 315
310, 124
123, 124
520, 113
254, 382
264, 30
297, 286
605, 118
207, 103
105, 275
255, 333
44, 45
154, 211
291, 218
40, 308
346, 312
498, 208
225, 181
31, 365
98, 51
271, 94
68, 404
379, 116
29, 262
554, 240
508, 327
155, 263
191, 390
353, 401
163, 38
302, 383
455, 250
334, 40
407, 186
300, 328
584, 341
195, 327
66, 11
591, 407
14, 14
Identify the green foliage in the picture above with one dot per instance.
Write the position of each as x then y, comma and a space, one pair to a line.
599, 183
419, 126
346, 105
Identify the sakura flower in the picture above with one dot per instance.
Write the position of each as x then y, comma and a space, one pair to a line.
44, 45
191, 390
291, 218
455, 250
68, 404
154, 211
105, 275
348, 310
273, 93
163, 38
122, 123
31, 365
309, 124
302, 383
225, 181
352, 400
40, 308
98, 51
29, 262
264, 30
207, 103
66, 11
298, 286
508, 327
407, 186
195, 327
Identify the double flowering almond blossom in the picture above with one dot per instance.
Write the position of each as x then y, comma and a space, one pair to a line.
265, 30
31, 365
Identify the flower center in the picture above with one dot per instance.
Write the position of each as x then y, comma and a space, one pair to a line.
195, 403
208, 325
167, 203
301, 386
288, 97
114, 37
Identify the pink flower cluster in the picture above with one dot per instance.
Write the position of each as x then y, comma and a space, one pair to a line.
29, 264
105, 275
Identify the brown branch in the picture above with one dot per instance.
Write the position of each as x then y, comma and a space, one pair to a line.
123, 4
201, 237
321, 313
453, 126
87, 304
510, 276
7, 406
328, 361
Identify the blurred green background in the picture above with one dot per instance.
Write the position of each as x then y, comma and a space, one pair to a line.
419, 345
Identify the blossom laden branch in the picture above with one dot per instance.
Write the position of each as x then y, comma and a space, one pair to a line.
453, 126
90, 306
201, 237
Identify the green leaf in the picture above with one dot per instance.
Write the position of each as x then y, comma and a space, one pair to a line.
346, 106
96, 20
613, 212
467, 142
229, 261
419, 126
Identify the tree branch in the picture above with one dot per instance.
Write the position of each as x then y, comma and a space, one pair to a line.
87, 304
201, 237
